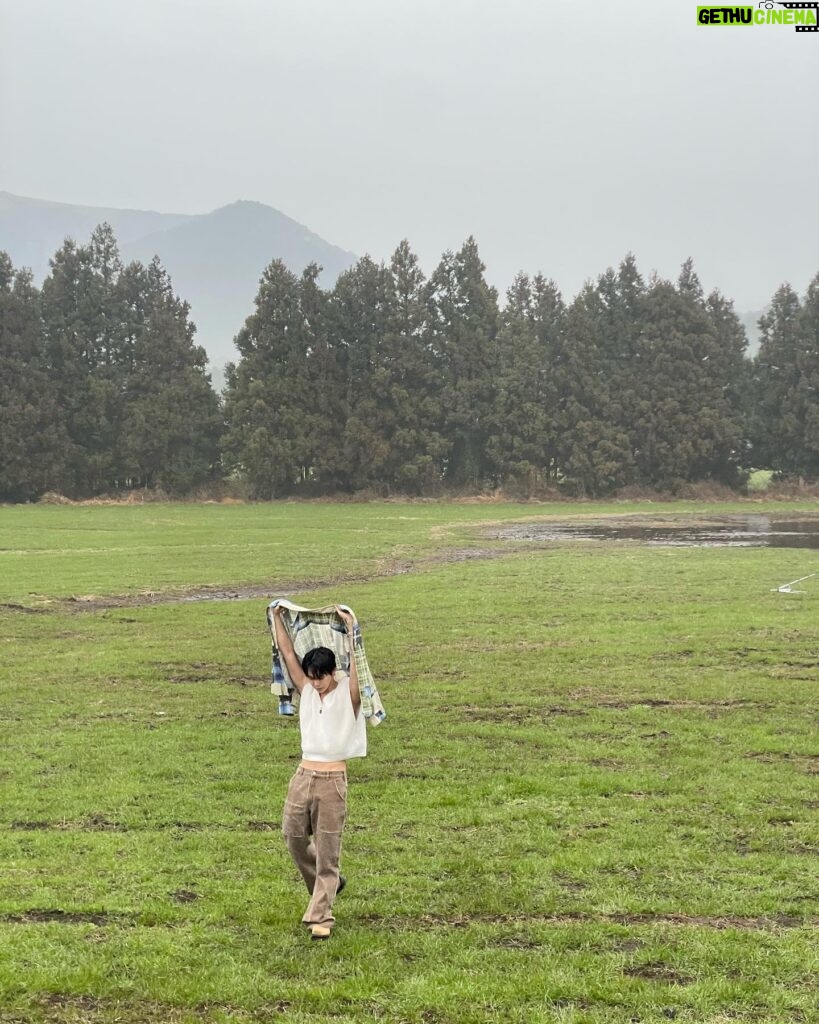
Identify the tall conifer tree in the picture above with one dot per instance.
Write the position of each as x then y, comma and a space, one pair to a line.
594, 452
411, 391
325, 399
808, 360
732, 374
786, 370
525, 439
83, 331
270, 392
463, 332
357, 325
392, 438
170, 419
687, 427
33, 443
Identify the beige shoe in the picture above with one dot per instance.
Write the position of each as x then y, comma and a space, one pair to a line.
318, 931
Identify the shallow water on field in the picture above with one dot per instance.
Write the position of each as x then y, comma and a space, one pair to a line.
744, 530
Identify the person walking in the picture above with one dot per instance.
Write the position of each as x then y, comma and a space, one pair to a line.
333, 730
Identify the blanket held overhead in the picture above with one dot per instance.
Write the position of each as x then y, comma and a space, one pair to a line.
321, 627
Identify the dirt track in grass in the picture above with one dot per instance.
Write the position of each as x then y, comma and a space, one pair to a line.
426, 922
258, 591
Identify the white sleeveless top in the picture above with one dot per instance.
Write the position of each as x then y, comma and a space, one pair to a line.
330, 729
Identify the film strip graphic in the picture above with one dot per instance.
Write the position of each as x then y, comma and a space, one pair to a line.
800, 7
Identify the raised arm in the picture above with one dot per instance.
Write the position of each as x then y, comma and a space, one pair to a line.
355, 692
294, 669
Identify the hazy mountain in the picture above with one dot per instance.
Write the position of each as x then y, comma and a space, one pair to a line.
215, 260
31, 230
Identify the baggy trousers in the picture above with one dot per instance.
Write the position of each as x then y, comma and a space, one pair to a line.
314, 813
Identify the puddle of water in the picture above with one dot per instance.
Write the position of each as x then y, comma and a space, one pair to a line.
749, 531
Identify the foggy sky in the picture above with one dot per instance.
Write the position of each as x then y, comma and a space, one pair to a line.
561, 135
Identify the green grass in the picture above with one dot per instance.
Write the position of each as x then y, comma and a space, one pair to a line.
51, 552
594, 798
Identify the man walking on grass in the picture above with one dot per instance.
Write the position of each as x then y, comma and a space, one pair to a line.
332, 731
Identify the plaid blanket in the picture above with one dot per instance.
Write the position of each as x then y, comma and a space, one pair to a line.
321, 627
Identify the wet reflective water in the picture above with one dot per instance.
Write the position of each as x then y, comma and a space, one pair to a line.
746, 530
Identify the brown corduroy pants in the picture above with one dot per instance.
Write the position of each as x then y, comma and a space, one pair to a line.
314, 813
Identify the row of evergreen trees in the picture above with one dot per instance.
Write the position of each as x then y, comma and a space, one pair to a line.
101, 385
397, 383
391, 381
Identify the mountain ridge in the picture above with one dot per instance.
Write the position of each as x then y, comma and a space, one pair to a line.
214, 259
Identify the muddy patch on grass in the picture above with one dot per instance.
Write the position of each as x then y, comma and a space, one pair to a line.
740, 530
807, 762
199, 673
59, 1007
709, 706
185, 896
93, 823
623, 944
504, 713
98, 824
571, 884
773, 923
658, 973
64, 1007
83, 1004
259, 591
25, 610
61, 917
516, 942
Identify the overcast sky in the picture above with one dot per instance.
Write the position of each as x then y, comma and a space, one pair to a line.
561, 135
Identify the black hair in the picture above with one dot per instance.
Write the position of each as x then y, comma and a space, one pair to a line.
318, 662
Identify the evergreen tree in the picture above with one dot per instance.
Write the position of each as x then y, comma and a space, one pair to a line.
687, 427
392, 438
83, 331
597, 382
411, 384
622, 301
526, 429
268, 392
786, 369
776, 427
808, 361
594, 450
32, 432
170, 416
734, 374
463, 328
357, 325
324, 404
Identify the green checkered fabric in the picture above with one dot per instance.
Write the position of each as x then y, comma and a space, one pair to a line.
323, 627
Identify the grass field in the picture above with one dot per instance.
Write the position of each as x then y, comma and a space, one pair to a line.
594, 799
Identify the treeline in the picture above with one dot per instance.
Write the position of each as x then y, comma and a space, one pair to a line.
395, 383
101, 386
